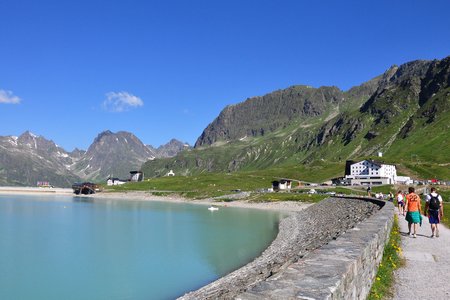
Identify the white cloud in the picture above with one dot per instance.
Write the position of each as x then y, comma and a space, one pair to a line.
8, 97
121, 101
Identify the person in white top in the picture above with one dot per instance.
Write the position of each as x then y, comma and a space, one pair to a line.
435, 210
400, 203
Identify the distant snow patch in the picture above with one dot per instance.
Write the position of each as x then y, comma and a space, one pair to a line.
13, 140
62, 154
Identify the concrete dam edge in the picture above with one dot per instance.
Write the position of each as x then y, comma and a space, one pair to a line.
330, 250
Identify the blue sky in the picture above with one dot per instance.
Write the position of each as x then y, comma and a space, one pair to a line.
165, 69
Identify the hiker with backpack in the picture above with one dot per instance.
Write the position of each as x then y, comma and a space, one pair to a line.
413, 211
434, 210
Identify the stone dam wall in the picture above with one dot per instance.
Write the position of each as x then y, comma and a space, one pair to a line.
330, 250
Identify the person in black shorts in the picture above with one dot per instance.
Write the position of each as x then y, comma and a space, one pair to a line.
435, 210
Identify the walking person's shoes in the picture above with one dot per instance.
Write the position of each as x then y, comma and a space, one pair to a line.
414, 235
437, 233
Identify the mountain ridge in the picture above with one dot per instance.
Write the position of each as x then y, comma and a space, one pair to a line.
384, 114
29, 158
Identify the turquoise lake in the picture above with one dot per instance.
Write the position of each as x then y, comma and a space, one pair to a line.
56, 247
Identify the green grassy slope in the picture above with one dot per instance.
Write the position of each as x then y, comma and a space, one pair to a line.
406, 118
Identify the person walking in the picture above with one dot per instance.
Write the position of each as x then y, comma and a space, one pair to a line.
413, 211
435, 210
369, 189
391, 197
400, 203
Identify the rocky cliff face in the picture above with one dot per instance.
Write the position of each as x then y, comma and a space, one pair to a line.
407, 100
260, 115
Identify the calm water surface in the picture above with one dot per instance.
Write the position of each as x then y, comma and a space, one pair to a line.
56, 247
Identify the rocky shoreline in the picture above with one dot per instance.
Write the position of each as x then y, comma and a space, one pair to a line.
299, 234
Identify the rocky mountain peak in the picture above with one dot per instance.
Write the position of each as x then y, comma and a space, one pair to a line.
102, 135
29, 158
171, 148
27, 138
113, 153
39, 143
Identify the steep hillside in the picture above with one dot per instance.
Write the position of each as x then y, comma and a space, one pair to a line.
403, 113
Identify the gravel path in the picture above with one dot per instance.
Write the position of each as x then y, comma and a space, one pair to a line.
425, 275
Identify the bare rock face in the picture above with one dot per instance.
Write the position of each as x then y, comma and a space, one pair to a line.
258, 116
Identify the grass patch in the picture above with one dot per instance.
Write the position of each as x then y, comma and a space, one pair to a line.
446, 219
200, 186
385, 189
273, 197
445, 194
384, 280
218, 184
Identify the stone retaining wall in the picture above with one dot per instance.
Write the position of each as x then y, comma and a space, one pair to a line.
322, 252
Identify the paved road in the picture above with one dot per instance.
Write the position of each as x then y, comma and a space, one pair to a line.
425, 275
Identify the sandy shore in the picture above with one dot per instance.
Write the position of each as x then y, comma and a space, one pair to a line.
285, 206
34, 190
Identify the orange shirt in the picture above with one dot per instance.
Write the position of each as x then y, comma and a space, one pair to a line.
413, 202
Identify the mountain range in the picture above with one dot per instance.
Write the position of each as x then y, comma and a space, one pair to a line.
29, 158
403, 113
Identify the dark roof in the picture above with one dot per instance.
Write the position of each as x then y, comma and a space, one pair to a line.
285, 180
375, 162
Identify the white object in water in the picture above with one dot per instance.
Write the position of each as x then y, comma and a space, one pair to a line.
212, 208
